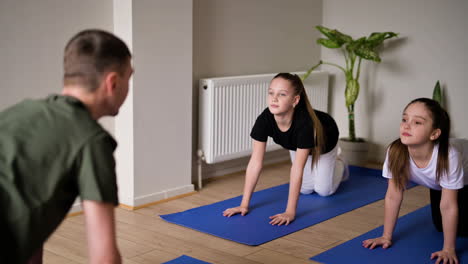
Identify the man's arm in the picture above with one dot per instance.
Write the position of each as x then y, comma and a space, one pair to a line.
100, 232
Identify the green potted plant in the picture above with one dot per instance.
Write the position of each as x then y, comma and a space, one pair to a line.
353, 50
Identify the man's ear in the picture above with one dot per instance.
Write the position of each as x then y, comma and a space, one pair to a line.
110, 82
435, 134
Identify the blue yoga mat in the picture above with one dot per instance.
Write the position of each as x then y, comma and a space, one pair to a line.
363, 187
414, 239
186, 260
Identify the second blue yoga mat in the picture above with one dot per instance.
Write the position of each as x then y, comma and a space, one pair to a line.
363, 187
186, 260
414, 239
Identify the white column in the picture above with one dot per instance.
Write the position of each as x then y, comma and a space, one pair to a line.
124, 155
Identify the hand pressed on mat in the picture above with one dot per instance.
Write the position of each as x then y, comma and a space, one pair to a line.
445, 256
235, 210
283, 218
379, 241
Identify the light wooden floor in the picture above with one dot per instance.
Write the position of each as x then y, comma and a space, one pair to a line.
144, 238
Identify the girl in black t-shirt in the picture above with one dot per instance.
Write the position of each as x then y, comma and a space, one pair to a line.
310, 135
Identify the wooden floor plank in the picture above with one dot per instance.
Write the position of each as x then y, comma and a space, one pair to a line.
52, 258
274, 257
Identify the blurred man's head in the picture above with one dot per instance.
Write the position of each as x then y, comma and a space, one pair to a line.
90, 54
99, 63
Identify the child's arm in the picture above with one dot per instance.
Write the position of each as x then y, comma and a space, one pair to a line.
297, 169
251, 177
393, 200
449, 212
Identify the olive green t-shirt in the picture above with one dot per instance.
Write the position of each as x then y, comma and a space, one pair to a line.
51, 151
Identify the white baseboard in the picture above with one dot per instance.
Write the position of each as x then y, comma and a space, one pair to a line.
154, 197
146, 199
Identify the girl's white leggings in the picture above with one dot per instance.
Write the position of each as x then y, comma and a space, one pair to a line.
326, 175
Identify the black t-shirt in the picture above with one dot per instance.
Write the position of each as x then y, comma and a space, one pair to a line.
301, 132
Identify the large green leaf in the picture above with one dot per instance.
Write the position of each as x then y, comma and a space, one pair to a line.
376, 38
328, 43
326, 31
341, 37
335, 35
367, 53
351, 91
355, 44
366, 48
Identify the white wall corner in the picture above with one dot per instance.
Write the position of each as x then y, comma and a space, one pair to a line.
158, 196
76, 207
124, 128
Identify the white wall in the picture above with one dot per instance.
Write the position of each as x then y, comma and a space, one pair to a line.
33, 36
432, 46
251, 37
162, 35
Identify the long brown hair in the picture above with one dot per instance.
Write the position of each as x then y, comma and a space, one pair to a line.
398, 157
319, 135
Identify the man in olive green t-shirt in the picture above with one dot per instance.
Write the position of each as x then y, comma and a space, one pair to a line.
53, 150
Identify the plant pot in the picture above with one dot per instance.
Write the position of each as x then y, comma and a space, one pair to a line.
355, 153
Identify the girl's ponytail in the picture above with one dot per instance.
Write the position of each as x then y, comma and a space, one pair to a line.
398, 163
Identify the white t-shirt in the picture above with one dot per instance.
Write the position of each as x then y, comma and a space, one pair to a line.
458, 163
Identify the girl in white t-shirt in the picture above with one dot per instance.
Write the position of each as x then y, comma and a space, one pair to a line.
423, 154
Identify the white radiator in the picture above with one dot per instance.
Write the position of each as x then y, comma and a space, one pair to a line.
229, 107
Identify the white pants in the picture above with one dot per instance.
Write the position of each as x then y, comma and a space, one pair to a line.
326, 175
